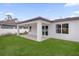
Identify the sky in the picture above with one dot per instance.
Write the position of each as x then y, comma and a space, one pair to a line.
24, 11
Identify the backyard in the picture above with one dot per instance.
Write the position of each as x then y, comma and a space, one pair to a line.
12, 45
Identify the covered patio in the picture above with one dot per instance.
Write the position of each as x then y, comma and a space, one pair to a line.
38, 29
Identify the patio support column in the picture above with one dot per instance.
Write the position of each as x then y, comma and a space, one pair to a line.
17, 30
39, 31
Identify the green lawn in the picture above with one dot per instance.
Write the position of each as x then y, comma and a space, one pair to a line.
16, 46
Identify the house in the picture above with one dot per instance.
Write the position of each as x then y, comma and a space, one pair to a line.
8, 23
9, 26
41, 28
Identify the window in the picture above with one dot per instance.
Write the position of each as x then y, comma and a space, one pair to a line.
58, 28
30, 28
65, 28
46, 27
46, 33
44, 30
43, 27
7, 27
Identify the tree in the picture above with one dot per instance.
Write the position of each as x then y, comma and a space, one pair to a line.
9, 17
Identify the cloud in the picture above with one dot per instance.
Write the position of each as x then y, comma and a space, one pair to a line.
48, 10
9, 13
6, 13
74, 14
71, 4
1, 12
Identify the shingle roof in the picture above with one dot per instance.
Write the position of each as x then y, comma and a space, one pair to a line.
66, 19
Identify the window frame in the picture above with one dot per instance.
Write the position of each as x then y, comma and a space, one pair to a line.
66, 27
63, 27
45, 30
58, 28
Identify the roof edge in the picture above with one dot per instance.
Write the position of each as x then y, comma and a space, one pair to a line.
66, 19
56, 20
33, 19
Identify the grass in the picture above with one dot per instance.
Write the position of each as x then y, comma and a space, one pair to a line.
17, 46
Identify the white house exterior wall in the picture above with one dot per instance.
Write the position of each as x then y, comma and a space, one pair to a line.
73, 31
33, 29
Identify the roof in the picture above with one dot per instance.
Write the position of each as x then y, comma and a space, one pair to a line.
56, 20
8, 22
33, 19
66, 19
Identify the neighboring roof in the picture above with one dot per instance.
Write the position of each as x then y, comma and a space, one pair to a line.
33, 19
8, 22
66, 19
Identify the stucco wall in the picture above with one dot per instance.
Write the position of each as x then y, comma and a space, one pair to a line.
33, 29
73, 31
33, 24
